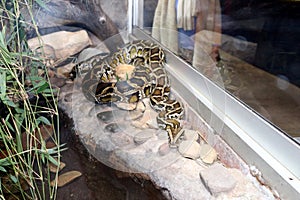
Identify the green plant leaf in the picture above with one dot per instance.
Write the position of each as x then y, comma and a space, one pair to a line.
52, 160
2, 35
8, 102
19, 110
42, 87
13, 178
2, 84
43, 119
7, 123
2, 169
49, 91
35, 78
42, 154
38, 85
48, 95
55, 150
6, 162
1, 196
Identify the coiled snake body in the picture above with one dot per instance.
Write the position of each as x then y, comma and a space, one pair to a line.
148, 79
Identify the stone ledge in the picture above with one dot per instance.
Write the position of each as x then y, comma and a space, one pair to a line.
177, 177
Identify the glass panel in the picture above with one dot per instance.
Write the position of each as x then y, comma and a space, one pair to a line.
254, 44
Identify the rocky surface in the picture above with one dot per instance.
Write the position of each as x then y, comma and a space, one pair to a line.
146, 151
112, 135
217, 179
189, 149
208, 154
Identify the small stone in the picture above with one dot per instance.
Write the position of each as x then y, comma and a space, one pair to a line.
121, 139
217, 179
95, 108
106, 116
134, 115
164, 149
139, 124
66, 178
152, 123
142, 136
147, 121
68, 97
189, 149
191, 135
208, 154
113, 128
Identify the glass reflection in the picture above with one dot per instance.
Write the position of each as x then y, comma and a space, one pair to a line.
255, 45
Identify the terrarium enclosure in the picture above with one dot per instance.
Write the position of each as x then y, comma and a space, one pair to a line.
200, 98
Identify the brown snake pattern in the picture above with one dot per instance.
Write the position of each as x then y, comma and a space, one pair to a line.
148, 79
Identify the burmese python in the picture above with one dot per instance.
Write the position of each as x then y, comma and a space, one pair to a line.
149, 79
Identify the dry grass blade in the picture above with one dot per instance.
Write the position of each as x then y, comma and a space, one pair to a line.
66, 178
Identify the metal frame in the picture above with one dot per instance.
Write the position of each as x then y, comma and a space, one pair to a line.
254, 139
135, 14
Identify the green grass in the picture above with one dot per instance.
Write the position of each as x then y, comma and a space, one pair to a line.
27, 102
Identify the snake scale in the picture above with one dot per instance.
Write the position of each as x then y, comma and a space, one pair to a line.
148, 79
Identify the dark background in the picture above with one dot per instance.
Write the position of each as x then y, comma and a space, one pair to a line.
274, 26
